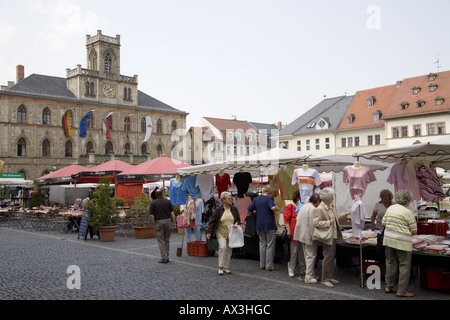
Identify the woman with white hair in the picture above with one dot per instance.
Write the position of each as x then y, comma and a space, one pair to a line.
400, 225
222, 217
325, 217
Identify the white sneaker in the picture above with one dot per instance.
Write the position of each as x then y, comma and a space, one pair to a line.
290, 272
328, 284
227, 271
310, 280
220, 272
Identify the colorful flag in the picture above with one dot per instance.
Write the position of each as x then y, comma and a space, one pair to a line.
148, 130
66, 124
106, 126
83, 124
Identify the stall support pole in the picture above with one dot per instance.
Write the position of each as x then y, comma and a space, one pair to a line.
361, 264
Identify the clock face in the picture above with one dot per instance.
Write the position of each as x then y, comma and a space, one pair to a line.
109, 91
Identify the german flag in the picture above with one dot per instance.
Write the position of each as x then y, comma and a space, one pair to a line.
66, 124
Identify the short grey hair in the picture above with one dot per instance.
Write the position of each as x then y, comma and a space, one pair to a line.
224, 195
326, 193
403, 197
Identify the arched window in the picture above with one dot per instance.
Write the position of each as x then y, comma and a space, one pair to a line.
158, 126
21, 148
174, 126
68, 149
109, 147
159, 151
126, 149
127, 124
144, 149
143, 125
46, 148
89, 147
46, 116
108, 62
22, 114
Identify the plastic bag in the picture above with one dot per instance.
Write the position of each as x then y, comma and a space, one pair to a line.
235, 237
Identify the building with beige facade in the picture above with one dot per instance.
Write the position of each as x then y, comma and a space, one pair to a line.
41, 116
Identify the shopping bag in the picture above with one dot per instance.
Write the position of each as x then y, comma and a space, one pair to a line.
235, 237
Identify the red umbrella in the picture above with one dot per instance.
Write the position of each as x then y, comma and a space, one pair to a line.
161, 168
61, 175
110, 168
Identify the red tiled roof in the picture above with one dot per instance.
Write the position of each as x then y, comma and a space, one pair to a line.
363, 115
405, 95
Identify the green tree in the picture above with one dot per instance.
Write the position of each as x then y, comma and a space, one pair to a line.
37, 199
103, 208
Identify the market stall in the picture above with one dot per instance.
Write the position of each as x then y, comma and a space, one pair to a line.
414, 169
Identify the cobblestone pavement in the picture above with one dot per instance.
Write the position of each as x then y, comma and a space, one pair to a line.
34, 266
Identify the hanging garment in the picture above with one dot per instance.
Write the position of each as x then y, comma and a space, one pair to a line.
177, 192
307, 181
222, 183
189, 214
242, 181
191, 186
242, 204
358, 215
358, 180
206, 183
199, 210
411, 182
430, 187
287, 189
396, 176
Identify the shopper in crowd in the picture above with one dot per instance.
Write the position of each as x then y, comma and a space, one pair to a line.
326, 217
297, 259
224, 216
380, 209
161, 211
303, 233
266, 228
79, 205
400, 225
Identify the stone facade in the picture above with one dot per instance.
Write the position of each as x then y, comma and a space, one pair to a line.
32, 137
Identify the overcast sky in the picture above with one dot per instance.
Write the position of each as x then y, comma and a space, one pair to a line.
261, 61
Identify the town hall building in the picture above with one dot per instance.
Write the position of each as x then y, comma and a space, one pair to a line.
90, 116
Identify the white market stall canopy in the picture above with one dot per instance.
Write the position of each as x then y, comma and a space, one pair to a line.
436, 152
267, 161
15, 182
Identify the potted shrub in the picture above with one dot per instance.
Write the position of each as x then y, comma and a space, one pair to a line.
143, 224
103, 212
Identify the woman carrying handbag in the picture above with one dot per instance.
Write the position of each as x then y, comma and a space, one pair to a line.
326, 231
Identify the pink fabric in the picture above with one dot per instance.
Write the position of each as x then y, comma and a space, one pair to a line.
242, 204
358, 180
396, 176
411, 182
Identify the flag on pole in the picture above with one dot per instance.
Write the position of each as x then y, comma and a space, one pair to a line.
83, 124
66, 124
148, 130
105, 126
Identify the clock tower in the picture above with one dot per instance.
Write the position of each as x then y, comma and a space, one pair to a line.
101, 81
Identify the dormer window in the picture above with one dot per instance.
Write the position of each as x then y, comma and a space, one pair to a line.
371, 101
322, 123
376, 116
420, 103
432, 87
416, 90
439, 101
350, 119
311, 125
404, 105
431, 77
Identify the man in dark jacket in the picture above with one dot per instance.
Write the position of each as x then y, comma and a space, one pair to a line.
161, 210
